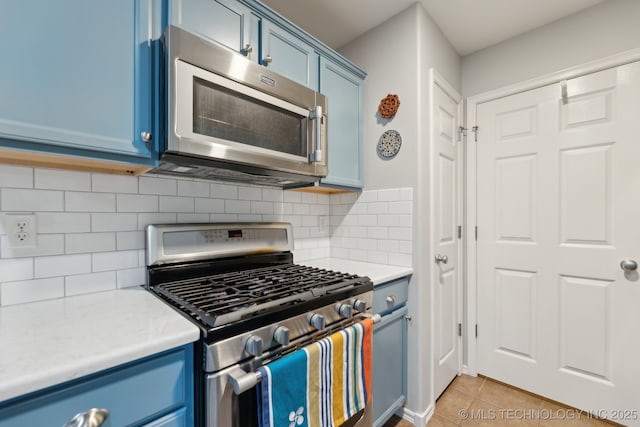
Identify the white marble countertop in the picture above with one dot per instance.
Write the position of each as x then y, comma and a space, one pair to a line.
49, 342
378, 273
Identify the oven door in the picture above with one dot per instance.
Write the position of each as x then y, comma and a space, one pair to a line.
219, 118
226, 409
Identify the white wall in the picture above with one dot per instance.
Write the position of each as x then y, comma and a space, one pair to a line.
397, 56
602, 30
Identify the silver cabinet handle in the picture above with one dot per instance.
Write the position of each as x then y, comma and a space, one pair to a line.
628, 265
267, 60
246, 50
94, 417
442, 258
316, 116
391, 299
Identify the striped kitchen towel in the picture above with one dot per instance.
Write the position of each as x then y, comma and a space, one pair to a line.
322, 385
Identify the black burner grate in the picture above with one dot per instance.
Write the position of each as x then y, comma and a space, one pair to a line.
229, 297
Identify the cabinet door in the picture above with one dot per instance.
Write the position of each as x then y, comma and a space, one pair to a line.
344, 91
286, 54
224, 21
140, 391
76, 77
389, 365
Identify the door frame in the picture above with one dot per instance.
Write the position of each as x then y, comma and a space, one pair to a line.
469, 241
435, 79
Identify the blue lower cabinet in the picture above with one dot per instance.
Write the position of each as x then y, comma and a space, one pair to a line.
155, 391
77, 81
389, 350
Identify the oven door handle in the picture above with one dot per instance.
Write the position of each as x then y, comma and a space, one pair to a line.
242, 381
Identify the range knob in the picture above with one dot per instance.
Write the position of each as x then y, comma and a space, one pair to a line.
344, 310
316, 320
281, 335
253, 345
360, 305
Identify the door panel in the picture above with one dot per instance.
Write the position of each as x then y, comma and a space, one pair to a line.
445, 237
555, 211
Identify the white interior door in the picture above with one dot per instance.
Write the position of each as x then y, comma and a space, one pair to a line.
445, 219
558, 209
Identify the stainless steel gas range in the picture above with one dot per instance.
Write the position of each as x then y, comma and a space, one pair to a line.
239, 285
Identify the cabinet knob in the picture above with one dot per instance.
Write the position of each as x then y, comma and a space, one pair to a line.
442, 259
146, 136
408, 318
391, 299
246, 50
93, 417
267, 60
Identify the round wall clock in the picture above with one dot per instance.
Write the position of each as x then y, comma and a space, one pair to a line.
389, 144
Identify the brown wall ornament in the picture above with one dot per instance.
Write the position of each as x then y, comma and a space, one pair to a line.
389, 106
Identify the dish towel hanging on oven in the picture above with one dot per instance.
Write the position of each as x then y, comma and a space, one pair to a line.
322, 385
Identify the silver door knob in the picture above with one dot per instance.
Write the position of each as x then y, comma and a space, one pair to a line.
246, 50
628, 265
442, 258
267, 60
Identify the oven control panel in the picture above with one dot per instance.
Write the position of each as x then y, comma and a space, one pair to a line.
167, 243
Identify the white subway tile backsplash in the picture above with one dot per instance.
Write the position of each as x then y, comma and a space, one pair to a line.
176, 204
31, 200
389, 195
158, 186
47, 244
129, 277
223, 217
60, 179
31, 290
88, 202
292, 196
109, 261
101, 222
261, 207
209, 205
62, 222
16, 176
52, 266
12, 270
184, 218
137, 203
145, 219
80, 243
87, 283
377, 208
271, 195
126, 240
224, 191
193, 188
108, 183
249, 193
91, 226
237, 206
404, 207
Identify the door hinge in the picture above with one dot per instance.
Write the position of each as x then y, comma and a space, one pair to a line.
476, 232
475, 133
459, 329
462, 131
476, 330
459, 232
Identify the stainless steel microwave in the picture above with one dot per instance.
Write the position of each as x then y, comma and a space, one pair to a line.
229, 118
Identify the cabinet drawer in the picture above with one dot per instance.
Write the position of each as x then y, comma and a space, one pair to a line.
134, 393
388, 296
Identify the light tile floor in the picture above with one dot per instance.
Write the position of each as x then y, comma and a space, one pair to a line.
483, 402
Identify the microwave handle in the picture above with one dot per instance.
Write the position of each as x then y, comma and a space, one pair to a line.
317, 118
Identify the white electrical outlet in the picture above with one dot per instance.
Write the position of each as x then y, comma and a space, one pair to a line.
21, 230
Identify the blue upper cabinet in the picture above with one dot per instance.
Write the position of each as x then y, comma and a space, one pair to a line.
343, 89
288, 55
76, 80
224, 21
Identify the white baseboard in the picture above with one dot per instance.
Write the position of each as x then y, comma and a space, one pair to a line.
418, 419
